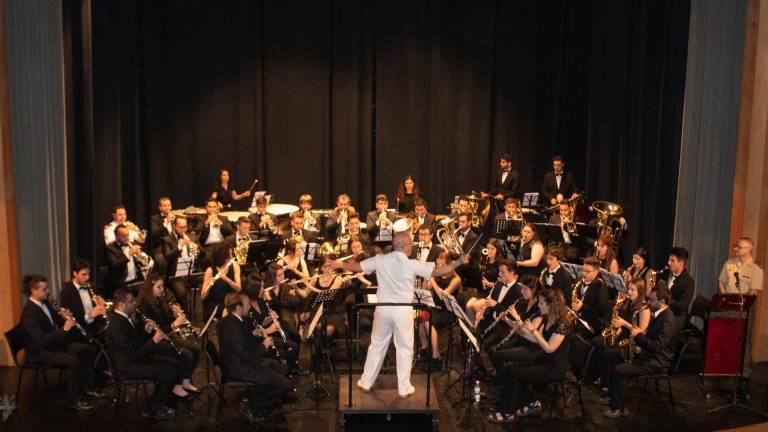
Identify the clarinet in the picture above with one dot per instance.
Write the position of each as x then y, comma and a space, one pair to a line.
515, 330
263, 331
63, 313
498, 319
154, 326
276, 320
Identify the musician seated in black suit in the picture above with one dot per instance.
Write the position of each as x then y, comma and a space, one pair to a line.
551, 363
138, 351
336, 223
554, 276
511, 210
380, 219
502, 342
426, 251
591, 302
260, 219
242, 359
242, 233
298, 232
506, 181
152, 302
46, 340
441, 317
558, 184
572, 243
181, 253
122, 262
465, 234
285, 353
422, 216
653, 354
160, 226
219, 279
505, 292
462, 206
680, 284
75, 296
530, 255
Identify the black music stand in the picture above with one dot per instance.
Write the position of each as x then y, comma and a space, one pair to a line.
613, 280
316, 335
530, 199
553, 233
507, 228
467, 376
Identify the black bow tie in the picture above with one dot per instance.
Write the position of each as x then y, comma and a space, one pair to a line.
82, 288
559, 174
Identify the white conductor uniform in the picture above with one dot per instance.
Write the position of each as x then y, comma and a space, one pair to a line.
395, 274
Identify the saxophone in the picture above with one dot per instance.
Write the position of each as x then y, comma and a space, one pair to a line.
570, 318
241, 252
628, 345
541, 278
610, 333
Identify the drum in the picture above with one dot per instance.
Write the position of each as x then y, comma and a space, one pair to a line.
233, 216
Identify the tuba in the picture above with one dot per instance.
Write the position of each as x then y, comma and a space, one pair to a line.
448, 240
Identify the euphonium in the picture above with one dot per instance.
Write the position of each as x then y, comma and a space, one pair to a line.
448, 240
611, 334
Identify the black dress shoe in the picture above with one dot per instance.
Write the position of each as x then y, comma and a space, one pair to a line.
93, 394
159, 414
188, 397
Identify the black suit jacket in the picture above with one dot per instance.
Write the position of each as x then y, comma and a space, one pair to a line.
510, 298
508, 188
549, 186
658, 343
157, 229
128, 345
117, 264
434, 251
309, 236
41, 338
562, 281
226, 229
429, 220
682, 294
596, 309
171, 253
469, 240
232, 239
239, 351
370, 222
70, 299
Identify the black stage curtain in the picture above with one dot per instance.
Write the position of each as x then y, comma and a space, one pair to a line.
345, 96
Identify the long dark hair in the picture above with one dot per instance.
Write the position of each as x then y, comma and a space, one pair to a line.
557, 309
400, 195
147, 294
639, 283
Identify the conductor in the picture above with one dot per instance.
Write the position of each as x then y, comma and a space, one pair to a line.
396, 274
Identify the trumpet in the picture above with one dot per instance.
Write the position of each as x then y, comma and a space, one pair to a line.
155, 327
194, 249
67, 315
133, 227
145, 261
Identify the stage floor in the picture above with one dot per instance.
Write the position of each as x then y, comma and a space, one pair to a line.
45, 410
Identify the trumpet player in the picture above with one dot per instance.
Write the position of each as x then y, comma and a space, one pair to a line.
216, 227
170, 318
120, 217
422, 216
336, 224
297, 231
160, 226
305, 206
181, 252
46, 342
356, 231
242, 233
380, 219
122, 260
88, 310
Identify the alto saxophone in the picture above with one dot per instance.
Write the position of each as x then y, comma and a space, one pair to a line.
571, 317
627, 345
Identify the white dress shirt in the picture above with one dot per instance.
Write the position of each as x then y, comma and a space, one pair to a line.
85, 298
396, 274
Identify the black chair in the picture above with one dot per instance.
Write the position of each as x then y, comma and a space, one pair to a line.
680, 347
15, 338
580, 355
212, 355
121, 383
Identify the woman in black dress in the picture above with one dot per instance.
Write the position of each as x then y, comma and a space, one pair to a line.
406, 194
639, 267
223, 193
489, 270
441, 318
220, 279
530, 255
552, 360
515, 348
169, 317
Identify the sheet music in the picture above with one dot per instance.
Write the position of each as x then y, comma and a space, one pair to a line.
372, 298
452, 305
315, 319
470, 336
573, 269
613, 280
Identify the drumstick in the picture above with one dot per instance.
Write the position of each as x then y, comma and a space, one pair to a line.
250, 189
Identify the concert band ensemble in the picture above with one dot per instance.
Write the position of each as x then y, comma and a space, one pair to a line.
536, 277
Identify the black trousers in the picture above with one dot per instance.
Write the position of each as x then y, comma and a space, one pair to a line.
77, 359
179, 288
514, 384
515, 356
189, 358
617, 382
160, 369
273, 386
